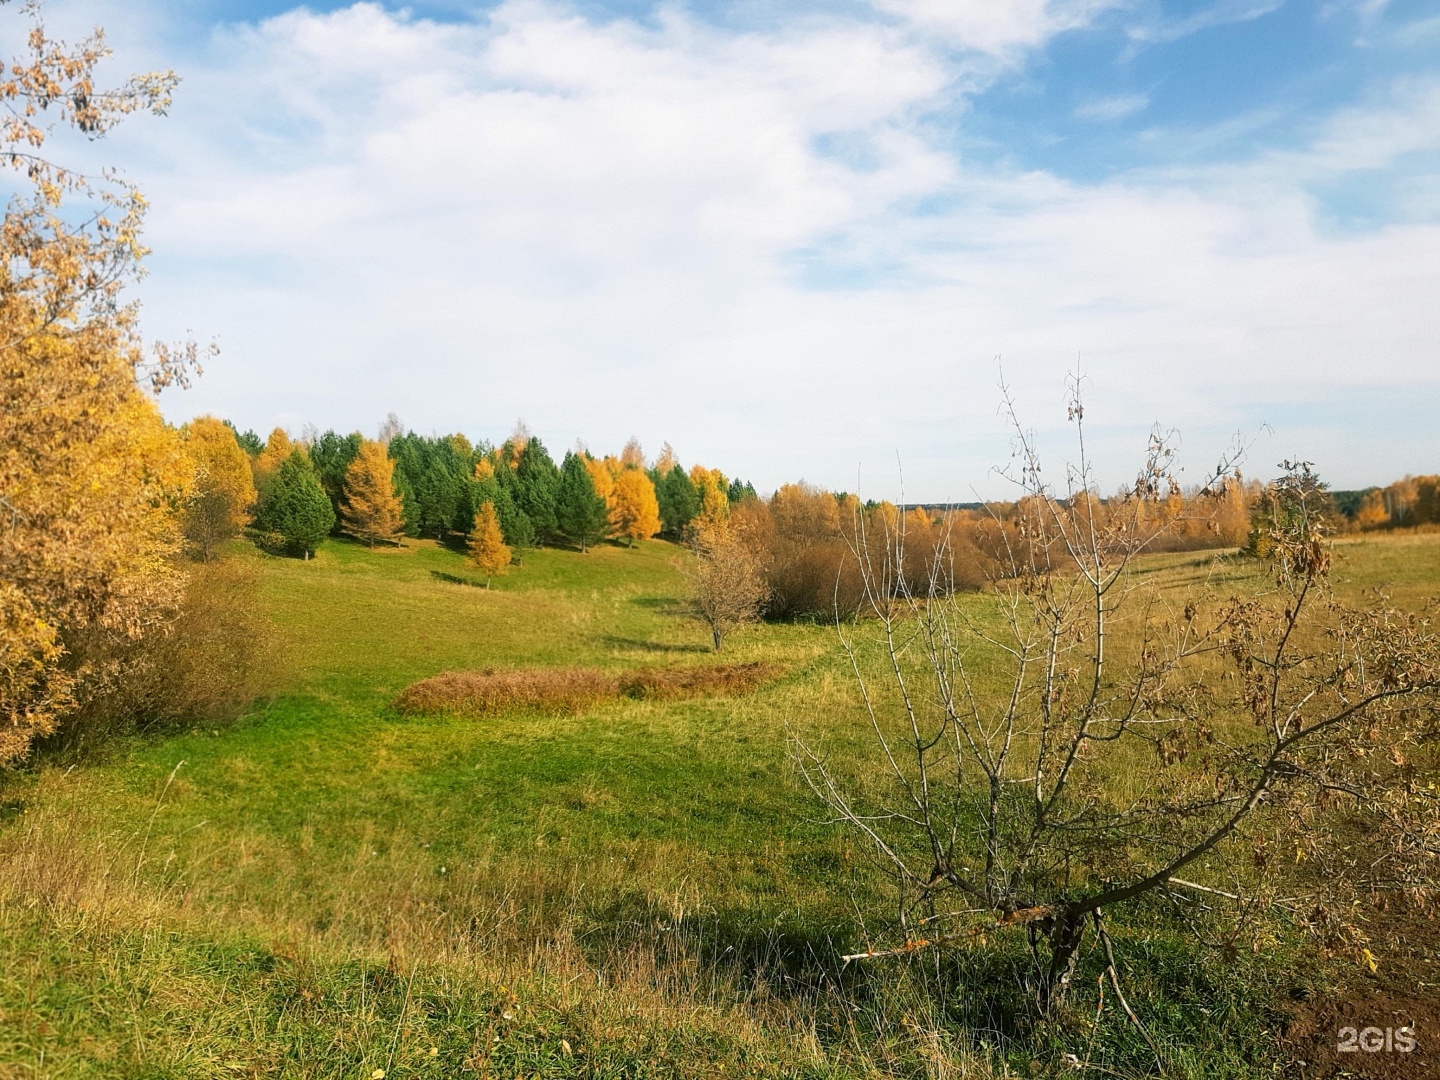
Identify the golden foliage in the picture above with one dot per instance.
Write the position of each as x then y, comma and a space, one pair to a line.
711, 485
602, 475
224, 491
632, 456
278, 447
372, 511
727, 585
1413, 501
90, 477
635, 512
488, 549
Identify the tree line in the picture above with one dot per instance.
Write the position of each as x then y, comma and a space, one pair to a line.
445, 488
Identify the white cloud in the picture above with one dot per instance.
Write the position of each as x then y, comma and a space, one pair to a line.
1117, 107
996, 26
612, 228
1220, 13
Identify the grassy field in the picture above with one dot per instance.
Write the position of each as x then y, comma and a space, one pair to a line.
327, 888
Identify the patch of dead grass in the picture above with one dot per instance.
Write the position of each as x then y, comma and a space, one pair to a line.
572, 690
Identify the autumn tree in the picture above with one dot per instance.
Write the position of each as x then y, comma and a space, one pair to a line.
635, 513
710, 488
371, 510
603, 472
580, 514
488, 550
1142, 739
89, 473
223, 493
294, 507
727, 585
278, 447
632, 456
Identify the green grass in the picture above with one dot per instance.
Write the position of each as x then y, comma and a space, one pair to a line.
326, 888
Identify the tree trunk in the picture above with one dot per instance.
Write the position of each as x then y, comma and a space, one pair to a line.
1063, 935
718, 639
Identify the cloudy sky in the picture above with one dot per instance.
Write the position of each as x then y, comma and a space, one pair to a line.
800, 239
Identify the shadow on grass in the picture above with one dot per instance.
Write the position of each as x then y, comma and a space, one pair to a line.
619, 642
456, 579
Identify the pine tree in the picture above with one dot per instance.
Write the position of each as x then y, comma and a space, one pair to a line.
371, 510
635, 514
536, 488
679, 501
331, 455
488, 550
294, 506
580, 514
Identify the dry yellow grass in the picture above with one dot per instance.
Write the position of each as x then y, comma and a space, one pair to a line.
572, 689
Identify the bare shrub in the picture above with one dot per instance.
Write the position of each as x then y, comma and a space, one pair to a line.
1086, 738
727, 586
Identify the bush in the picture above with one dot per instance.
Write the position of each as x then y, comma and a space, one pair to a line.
214, 659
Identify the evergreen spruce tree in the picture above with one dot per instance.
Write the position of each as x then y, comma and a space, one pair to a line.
580, 513
331, 455
738, 492
295, 506
679, 501
536, 485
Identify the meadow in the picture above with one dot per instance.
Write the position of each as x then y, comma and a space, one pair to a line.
328, 887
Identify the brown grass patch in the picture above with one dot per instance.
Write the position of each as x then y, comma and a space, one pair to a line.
485, 693
482, 693
719, 680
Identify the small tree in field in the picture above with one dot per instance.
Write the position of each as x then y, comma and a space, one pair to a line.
636, 514
372, 511
727, 588
295, 507
224, 493
580, 513
488, 550
1138, 734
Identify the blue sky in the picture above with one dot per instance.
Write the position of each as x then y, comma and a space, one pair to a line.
793, 239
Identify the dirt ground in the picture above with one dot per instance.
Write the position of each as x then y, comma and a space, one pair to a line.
1403, 993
